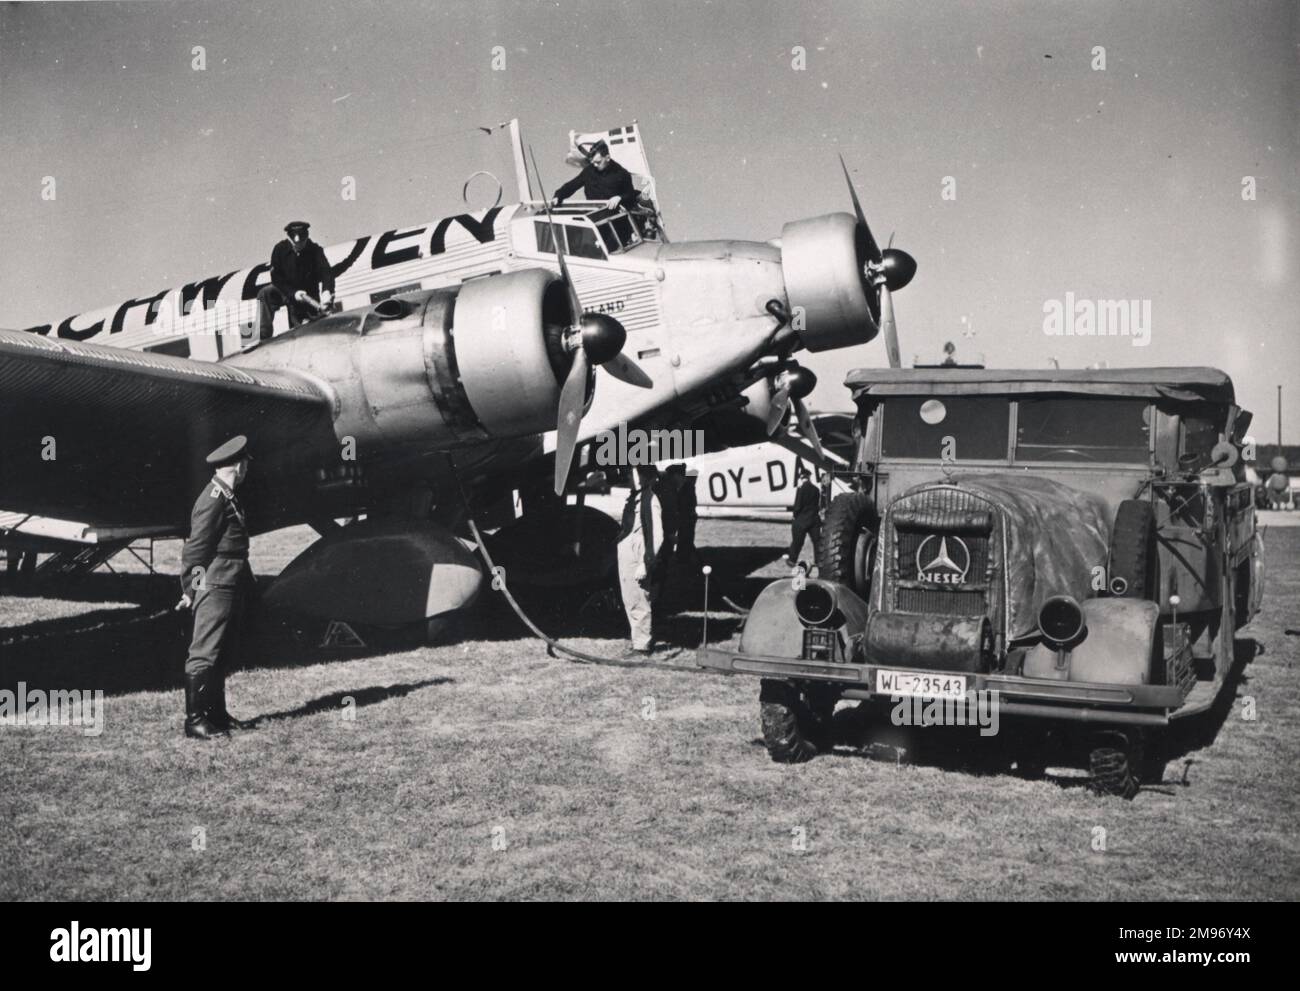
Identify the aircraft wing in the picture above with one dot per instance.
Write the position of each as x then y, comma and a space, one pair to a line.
115, 437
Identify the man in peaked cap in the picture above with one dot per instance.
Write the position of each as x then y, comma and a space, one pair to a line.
214, 579
299, 271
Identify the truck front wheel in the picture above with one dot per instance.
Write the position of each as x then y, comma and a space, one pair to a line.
796, 727
1116, 762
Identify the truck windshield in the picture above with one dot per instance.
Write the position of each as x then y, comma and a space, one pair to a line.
961, 427
1082, 430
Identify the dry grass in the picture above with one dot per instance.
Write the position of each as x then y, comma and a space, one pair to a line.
592, 800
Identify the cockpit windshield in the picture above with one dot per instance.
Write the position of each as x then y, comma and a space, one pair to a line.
577, 240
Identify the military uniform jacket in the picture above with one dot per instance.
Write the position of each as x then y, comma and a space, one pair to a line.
807, 504
218, 541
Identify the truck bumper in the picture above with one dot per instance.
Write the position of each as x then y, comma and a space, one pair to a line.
1017, 696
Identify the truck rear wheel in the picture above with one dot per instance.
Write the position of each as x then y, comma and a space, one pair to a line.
847, 553
795, 728
1134, 561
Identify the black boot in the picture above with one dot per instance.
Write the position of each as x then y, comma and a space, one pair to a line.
217, 713
198, 707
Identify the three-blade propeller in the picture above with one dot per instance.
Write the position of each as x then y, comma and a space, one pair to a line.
888, 270
593, 339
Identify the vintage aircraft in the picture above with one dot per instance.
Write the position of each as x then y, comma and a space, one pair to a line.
468, 351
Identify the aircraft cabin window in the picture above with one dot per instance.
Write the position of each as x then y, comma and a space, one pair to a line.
546, 243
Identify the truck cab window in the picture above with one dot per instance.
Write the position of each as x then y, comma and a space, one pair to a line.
1099, 429
920, 427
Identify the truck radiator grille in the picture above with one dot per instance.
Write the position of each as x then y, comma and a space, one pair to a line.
944, 556
943, 602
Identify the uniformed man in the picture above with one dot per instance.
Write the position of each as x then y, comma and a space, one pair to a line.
687, 515
806, 518
299, 270
215, 578
639, 567
601, 178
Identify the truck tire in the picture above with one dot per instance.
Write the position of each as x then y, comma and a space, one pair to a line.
848, 544
1134, 560
1116, 763
793, 730
1241, 595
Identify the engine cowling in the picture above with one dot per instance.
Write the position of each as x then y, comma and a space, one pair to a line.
438, 369
506, 332
822, 262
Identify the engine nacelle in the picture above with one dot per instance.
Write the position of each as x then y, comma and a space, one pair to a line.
822, 261
506, 333
437, 369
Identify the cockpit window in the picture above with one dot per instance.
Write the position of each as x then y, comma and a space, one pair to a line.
609, 237
962, 428
1083, 430
623, 225
583, 243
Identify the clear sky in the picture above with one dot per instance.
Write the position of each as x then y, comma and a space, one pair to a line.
1122, 182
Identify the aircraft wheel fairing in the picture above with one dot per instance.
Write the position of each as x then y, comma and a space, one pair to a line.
537, 550
383, 572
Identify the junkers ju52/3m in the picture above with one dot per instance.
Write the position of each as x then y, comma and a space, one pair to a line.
1081, 542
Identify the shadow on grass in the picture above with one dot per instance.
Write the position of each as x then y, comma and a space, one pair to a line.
864, 731
97, 586
361, 697
125, 650
596, 612
1199, 731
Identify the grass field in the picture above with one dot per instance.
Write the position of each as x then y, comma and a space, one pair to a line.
485, 769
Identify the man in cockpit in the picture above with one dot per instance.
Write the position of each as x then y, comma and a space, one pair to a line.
601, 179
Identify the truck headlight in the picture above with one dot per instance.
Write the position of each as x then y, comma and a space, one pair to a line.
815, 605
1060, 621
